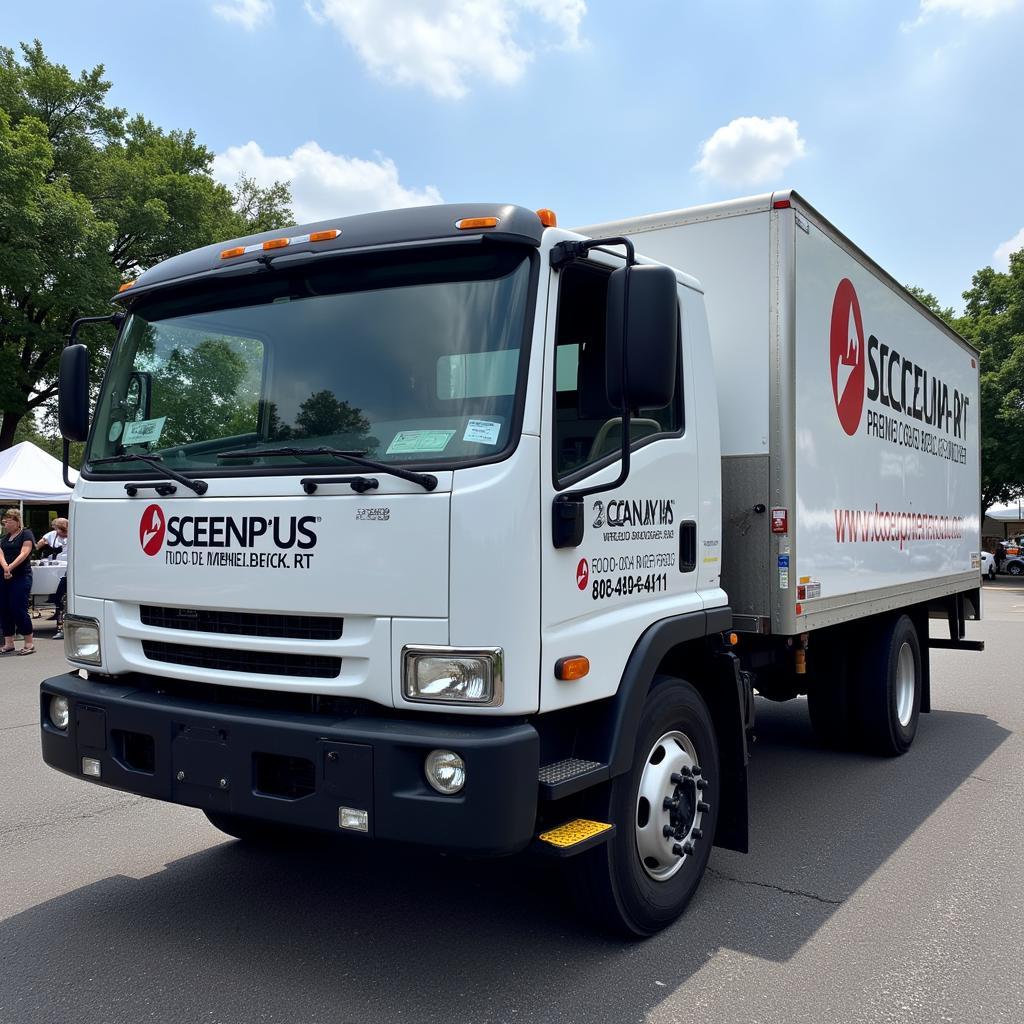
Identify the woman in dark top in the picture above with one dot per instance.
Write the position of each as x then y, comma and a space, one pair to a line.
16, 544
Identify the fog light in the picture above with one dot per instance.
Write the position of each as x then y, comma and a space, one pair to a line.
446, 771
59, 712
354, 819
91, 767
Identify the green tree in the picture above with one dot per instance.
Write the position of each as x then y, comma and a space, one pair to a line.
88, 198
993, 322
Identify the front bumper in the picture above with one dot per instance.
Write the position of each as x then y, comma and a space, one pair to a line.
299, 769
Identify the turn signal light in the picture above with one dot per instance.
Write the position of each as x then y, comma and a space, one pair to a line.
548, 218
568, 669
469, 223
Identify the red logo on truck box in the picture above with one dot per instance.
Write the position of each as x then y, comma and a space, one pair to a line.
152, 529
846, 356
582, 574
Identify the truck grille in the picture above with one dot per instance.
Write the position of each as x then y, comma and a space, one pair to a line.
294, 627
268, 663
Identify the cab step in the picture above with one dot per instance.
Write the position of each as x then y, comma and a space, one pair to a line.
573, 837
571, 775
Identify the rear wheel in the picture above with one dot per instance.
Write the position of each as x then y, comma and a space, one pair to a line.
1015, 568
665, 810
889, 696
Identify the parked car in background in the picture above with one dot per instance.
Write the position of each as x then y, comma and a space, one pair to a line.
988, 565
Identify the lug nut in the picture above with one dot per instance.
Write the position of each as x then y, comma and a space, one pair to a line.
677, 850
696, 769
702, 806
697, 833
702, 783
668, 831
687, 847
670, 804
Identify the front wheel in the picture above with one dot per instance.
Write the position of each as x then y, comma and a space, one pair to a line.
1015, 569
665, 810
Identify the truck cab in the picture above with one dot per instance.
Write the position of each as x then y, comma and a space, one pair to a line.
407, 526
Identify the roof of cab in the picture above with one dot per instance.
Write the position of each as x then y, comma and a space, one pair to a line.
363, 231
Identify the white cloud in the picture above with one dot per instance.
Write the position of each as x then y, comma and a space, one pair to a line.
1001, 257
751, 150
443, 44
981, 9
250, 14
324, 184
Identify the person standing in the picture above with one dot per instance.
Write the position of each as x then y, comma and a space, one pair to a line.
16, 544
1000, 556
59, 544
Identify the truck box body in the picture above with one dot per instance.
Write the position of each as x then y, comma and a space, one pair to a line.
848, 412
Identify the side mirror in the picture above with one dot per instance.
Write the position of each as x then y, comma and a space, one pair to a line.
651, 336
73, 393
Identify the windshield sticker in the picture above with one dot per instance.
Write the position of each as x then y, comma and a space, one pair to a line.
143, 431
482, 432
410, 441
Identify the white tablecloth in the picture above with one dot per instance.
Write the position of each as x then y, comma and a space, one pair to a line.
46, 577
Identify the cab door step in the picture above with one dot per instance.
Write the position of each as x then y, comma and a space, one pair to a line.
571, 775
573, 837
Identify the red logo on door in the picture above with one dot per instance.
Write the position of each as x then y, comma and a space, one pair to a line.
152, 529
582, 574
846, 356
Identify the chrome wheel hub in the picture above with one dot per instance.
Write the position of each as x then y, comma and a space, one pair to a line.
670, 806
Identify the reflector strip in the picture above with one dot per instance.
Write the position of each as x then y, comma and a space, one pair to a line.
573, 832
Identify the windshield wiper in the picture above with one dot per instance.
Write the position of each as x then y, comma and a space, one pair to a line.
426, 480
199, 486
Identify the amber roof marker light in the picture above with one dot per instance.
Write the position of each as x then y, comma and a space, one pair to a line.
472, 223
548, 218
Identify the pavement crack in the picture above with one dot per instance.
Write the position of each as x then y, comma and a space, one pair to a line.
30, 828
26, 725
777, 888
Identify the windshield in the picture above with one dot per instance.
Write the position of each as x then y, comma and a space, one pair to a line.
402, 359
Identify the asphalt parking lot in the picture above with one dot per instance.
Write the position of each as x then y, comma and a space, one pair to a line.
875, 890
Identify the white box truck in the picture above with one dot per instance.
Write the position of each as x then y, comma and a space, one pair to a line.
452, 527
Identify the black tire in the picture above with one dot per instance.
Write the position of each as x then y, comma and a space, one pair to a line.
828, 693
887, 706
611, 883
249, 830
1015, 568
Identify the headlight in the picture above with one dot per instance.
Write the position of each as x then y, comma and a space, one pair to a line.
451, 675
82, 640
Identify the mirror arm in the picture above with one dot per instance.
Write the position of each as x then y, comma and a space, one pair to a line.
567, 508
117, 319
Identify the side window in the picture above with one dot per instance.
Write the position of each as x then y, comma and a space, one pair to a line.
588, 429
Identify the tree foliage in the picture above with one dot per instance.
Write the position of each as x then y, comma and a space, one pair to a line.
89, 197
993, 322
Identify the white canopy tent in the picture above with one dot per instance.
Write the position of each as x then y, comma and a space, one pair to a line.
1011, 512
28, 475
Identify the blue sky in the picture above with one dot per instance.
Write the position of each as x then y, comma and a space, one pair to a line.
900, 120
